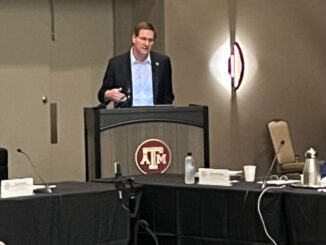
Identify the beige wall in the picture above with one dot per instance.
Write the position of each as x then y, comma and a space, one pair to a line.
128, 13
285, 39
24, 75
78, 59
67, 71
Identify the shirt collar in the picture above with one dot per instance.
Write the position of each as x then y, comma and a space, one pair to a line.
133, 59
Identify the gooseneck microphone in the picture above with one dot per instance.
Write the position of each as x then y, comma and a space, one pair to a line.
117, 170
273, 162
47, 188
132, 195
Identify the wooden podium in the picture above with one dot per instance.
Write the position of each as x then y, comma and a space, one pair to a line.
116, 135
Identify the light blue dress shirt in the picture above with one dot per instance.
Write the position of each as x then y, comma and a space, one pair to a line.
142, 82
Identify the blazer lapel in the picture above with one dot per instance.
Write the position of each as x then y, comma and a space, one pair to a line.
155, 73
128, 73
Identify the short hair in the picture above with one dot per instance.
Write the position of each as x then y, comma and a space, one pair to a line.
144, 25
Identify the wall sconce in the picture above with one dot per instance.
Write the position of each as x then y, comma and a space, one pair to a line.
236, 66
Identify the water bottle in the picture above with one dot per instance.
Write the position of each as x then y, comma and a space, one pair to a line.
189, 169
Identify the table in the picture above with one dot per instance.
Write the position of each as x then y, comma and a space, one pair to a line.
77, 213
196, 214
305, 216
205, 215
180, 214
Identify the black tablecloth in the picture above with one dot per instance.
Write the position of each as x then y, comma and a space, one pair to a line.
204, 215
181, 214
77, 213
305, 216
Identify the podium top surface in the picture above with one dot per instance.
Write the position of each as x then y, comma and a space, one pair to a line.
156, 108
194, 115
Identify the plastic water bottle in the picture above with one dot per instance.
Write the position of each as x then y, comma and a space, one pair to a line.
189, 169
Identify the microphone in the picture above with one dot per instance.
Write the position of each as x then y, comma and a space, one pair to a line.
47, 188
128, 93
126, 102
272, 165
117, 170
121, 183
132, 195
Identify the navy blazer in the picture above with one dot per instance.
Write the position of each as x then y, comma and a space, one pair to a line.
118, 75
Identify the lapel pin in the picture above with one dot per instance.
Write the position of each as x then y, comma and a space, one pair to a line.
157, 64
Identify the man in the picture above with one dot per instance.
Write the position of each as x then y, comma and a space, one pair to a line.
139, 77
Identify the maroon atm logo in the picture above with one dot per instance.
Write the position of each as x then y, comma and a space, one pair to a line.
153, 156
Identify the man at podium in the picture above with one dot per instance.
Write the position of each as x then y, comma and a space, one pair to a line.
139, 77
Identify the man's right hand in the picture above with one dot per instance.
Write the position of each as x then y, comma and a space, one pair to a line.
115, 95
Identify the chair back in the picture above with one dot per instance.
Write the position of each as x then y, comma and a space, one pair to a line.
279, 131
3, 164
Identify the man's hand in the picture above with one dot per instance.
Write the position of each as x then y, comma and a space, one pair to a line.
115, 95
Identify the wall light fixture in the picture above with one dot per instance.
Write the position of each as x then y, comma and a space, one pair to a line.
236, 66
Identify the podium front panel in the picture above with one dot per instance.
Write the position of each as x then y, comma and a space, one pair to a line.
120, 145
116, 135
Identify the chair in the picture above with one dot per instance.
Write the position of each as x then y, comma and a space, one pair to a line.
287, 160
3, 163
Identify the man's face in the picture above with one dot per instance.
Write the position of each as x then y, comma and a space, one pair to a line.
143, 43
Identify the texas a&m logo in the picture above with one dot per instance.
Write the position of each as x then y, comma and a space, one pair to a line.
153, 156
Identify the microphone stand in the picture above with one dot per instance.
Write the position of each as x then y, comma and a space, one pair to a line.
272, 165
47, 189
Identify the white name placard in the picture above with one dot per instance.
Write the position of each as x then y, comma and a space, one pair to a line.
209, 176
17, 187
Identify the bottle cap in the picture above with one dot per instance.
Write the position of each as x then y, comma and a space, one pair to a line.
189, 154
311, 153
